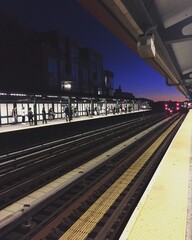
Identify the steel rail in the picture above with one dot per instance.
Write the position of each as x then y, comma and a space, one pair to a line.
26, 186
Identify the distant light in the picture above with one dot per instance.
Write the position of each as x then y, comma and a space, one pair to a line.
64, 97
99, 91
67, 86
50, 96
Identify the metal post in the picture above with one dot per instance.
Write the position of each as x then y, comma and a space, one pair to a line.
0, 117
92, 107
69, 105
35, 111
133, 105
77, 108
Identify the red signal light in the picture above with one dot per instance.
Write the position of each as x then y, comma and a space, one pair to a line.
166, 106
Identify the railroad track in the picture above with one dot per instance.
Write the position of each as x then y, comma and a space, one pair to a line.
103, 215
106, 175
24, 171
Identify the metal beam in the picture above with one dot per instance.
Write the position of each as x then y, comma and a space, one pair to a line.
174, 33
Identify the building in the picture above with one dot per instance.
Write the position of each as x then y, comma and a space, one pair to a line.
118, 93
19, 57
49, 62
91, 72
60, 62
108, 83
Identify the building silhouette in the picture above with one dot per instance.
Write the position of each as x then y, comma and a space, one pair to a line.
91, 68
119, 93
108, 83
19, 57
60, 58
49, 62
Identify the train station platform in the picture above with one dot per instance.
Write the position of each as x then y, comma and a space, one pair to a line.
20, 126
19, 136
165, 209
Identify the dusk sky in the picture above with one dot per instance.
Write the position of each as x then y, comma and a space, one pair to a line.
71, 19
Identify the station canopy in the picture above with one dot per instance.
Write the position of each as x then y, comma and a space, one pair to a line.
160, 31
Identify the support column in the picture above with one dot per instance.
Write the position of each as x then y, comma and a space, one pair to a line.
69, 105
35, 111
105, 106
92, 107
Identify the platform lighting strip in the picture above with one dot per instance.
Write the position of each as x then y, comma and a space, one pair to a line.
17, 94
64, 97
51, 96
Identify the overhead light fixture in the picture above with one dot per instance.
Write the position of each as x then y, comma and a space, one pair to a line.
146, 46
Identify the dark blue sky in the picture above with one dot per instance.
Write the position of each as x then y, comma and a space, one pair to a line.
70, 18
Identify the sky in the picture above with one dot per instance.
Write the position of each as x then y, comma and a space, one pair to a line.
131, 72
